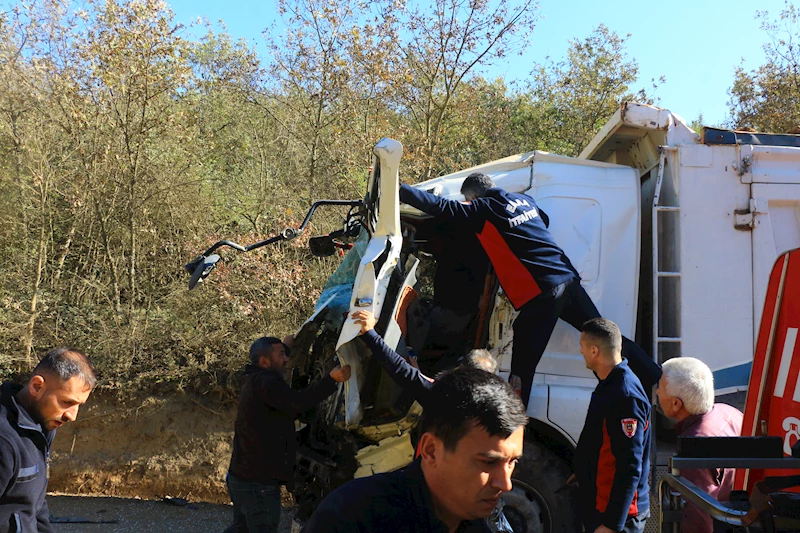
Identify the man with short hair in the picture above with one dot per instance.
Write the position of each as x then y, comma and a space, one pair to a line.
264, 445
535, 273
29, 417
686, 396
472, 437
612, 460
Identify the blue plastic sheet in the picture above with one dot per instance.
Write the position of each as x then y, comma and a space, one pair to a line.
340, 284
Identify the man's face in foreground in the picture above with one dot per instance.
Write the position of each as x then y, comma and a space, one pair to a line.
468, 481
57, 402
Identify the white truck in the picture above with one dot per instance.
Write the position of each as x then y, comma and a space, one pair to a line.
673, 235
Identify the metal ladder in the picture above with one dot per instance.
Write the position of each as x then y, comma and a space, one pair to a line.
665, 302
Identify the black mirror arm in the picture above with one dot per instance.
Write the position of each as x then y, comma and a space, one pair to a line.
285, 235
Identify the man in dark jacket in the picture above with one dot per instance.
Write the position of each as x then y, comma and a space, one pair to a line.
535, 273
264, 444
472, 437
612, 459
29, 417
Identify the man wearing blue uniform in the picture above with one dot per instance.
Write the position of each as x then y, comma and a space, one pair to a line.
30, 414
612, 459
534, 272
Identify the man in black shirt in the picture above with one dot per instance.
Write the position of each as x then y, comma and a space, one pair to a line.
472, 437
264, 445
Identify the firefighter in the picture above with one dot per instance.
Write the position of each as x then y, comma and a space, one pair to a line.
612, 460
535, 273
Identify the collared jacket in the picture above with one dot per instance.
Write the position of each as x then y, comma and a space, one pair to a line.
612, 460
264, 442
399, 501
722, 421
513, 232
24, 457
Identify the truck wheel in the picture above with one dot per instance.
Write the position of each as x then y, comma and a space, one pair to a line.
533, 506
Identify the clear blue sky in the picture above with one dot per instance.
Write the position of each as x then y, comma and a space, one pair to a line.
696, 44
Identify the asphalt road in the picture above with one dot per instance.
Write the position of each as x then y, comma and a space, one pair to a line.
132, 515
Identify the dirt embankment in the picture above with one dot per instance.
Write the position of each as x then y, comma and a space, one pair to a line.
148, 447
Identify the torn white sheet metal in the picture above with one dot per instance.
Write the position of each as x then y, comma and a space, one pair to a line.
377, 264
633, 122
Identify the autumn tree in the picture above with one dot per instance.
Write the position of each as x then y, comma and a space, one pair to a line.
440, 46
311, 72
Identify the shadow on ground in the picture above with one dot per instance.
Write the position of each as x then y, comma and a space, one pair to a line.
135, 516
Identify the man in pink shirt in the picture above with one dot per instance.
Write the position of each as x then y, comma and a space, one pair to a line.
686, 395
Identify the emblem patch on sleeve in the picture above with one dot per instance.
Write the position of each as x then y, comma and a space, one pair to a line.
629, 427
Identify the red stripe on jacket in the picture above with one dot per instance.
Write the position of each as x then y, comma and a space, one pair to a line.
516, 279
606, 468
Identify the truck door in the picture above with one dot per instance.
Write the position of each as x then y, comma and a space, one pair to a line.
773, 396
371, 290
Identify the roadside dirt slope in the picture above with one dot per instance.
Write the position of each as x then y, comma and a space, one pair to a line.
147, 447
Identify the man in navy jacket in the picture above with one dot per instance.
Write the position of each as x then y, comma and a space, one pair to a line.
29, 417
533, 270
612, 460
407, 376
472, 437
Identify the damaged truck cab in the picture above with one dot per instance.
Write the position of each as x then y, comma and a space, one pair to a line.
673, 235
454, 306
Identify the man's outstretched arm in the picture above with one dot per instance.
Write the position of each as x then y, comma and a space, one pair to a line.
472, 213
399, 369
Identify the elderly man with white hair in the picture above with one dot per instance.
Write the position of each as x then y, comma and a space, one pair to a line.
686, 395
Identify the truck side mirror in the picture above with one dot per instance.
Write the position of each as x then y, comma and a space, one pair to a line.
322, 246
202, 268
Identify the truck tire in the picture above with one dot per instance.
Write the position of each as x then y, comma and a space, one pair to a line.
533, 506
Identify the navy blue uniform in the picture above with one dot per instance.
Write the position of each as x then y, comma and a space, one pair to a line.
24, 454
612, 460
401, 371
399, 502
514, 235
535, 273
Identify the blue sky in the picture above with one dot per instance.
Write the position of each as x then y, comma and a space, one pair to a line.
695, 44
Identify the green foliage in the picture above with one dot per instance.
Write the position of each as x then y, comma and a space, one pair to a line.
127, 148
768, 97
572, 99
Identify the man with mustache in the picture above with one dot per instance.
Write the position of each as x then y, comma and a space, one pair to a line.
264, 442
29, 417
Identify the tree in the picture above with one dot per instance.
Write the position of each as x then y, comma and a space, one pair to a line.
311, 69
441, 45
768, 97
573, 98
